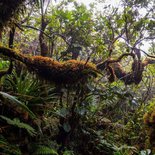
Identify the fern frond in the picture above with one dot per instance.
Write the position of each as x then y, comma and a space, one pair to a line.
8, 148
16, 122
44, 150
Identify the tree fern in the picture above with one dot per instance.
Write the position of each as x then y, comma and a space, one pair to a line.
16, 122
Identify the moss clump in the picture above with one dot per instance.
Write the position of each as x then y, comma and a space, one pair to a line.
149, 120
67, 72
9, 9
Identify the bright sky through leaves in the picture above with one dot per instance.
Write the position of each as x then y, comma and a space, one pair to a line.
114, 3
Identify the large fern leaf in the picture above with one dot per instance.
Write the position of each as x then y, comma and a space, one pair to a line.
16, 122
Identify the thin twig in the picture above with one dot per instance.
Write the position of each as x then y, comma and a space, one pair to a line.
51, 37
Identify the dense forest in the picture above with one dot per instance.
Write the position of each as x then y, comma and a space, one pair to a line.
77, 79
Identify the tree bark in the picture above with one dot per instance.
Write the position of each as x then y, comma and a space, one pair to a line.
11, 37
43, 45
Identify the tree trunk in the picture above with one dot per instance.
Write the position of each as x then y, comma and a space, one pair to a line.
43, 45
11, 37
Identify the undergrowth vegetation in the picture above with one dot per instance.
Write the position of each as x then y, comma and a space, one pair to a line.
91, 118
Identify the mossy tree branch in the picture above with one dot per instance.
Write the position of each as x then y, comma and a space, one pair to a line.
68, 72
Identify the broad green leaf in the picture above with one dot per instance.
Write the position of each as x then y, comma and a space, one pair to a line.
13, 99
66, 127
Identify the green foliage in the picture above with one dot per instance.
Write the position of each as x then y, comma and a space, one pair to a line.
44, 150
16, 102
16, 122
7, 148
28, 88
4, 64
68, 152
21, 83
126, 150
145, 152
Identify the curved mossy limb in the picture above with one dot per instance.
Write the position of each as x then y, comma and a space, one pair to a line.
67, 72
